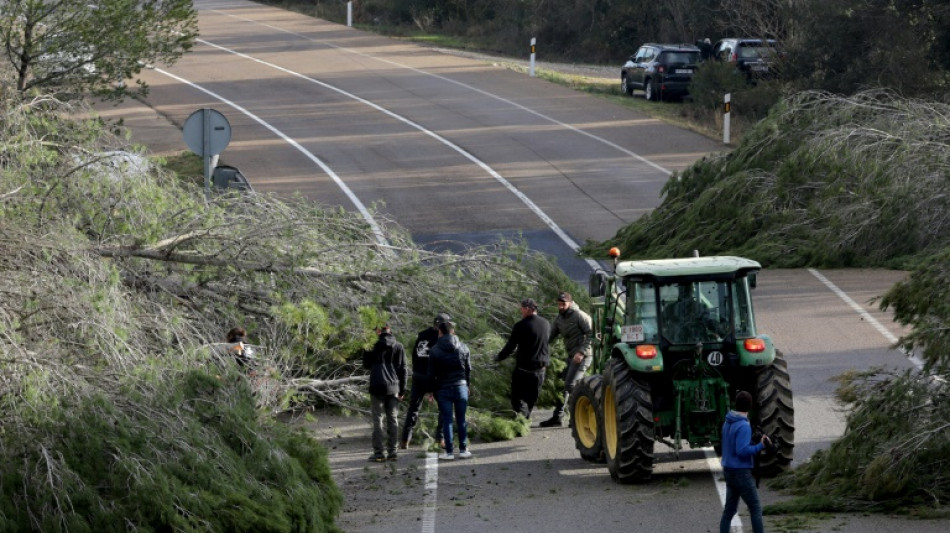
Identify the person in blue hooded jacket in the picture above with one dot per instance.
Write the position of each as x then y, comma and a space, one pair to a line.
738, 458
450, 372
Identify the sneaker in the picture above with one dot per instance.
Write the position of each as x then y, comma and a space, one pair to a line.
465, 454
554, 421
404, 445
445, 456
442, 443
393, 456
377, 458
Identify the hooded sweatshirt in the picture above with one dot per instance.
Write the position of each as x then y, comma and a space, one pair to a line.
387, 367
449, 363
737, 448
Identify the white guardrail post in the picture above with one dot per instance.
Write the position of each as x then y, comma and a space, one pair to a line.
726, 111
533, 42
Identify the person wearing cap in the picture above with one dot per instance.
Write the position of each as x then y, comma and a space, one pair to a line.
529, 343
738, 459
420, 378
386, 363
450, 372
575, 327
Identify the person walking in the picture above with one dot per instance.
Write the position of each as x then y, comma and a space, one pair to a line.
738, 459
386, 363
450, 372
575, 327
420, 379
529, 337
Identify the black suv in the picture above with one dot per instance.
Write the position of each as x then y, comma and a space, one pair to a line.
660, 70
756, 58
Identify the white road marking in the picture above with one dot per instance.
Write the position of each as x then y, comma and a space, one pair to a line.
891, 338
346, 190
430, 500
538, 114
594, 265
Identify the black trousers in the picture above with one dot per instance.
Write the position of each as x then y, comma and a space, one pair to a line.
420, 387
525, 389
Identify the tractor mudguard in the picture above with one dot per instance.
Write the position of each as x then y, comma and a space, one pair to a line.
759, 358
629, 354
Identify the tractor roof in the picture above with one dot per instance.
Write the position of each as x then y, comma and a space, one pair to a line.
687, 266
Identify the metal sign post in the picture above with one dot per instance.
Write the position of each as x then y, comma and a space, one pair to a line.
207, 133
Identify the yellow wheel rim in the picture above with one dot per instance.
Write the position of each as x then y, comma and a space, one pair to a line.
585, 420
610, 422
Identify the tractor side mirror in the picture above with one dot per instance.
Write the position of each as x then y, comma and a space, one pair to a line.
752, 280
597, 285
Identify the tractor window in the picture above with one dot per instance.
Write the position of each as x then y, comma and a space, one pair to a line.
641, 322
745, 323
694, 312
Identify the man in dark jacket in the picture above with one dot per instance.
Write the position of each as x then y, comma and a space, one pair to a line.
387, 385
530, 337
738, 458
574, 326
450, 371
420, 381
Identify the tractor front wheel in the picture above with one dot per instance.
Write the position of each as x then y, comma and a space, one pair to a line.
628, 424
776, 415
587, 418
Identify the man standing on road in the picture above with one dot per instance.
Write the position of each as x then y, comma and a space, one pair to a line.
574, 326
420, 379
738, 458
530, 337
387, 385
450, 372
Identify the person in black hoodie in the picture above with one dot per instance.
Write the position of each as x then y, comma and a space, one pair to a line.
387, 385
450, 370
420, 381
530, 336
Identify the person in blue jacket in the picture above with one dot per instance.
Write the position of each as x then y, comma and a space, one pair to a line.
738, 458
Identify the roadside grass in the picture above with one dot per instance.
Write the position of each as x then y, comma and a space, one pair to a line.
187, 165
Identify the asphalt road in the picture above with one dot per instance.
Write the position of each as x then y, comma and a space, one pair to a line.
460, 150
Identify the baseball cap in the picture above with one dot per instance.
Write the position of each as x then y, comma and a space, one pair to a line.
529, 303
565, 297
441, 318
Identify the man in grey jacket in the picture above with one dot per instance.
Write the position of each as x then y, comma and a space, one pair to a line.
574, 326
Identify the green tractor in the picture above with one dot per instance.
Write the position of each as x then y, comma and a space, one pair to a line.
675, 340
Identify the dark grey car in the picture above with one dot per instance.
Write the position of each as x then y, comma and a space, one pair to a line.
756, 58
661, 71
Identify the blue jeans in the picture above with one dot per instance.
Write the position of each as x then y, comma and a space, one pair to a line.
741, 484
453, 399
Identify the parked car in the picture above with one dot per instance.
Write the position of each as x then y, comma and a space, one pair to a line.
228, 177
661, 71
756, 58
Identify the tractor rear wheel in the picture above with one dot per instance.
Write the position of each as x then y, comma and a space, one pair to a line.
587, 418
776, 415
628, 424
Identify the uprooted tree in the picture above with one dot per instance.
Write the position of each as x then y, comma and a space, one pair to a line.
117, 409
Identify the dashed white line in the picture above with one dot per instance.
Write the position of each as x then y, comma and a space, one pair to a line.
430, 500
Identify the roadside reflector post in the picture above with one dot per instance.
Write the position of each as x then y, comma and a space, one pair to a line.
349, 14
534, 41
726, 112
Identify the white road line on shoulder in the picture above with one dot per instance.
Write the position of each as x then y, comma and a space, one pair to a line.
346, 190
430, 500
891, 338
715, 468
512, 103
594, 265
